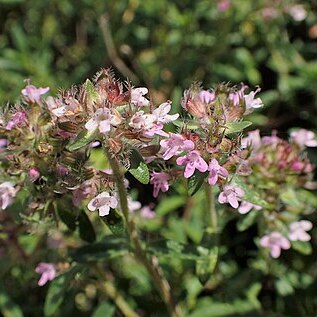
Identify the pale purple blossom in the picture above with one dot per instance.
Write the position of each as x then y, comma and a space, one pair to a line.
142, 121
246, 207
297, 230
137, 96
304, 137
162, 115
275, 241
223, 5
17, 119
206, 96
103, 202
251, 102
133, 205
237, 96
174, 145
160, 182
147, 212
192, 161
215, 170
47, 271
34, 174
297, 12
232, 195
103, 120
84, 191
253, 139
33, 94
7, 193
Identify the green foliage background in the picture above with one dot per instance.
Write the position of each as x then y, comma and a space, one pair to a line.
166, 45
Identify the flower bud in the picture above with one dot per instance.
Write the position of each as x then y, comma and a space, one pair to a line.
34, 174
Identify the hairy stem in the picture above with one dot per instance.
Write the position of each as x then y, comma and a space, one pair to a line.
109, 290
151, 264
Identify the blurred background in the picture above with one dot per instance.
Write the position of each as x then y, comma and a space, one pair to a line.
166, 45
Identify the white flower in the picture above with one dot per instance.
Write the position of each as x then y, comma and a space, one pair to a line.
103, 202
7, 192
251, 102
102, 119
298, 230
137, 96
162, 115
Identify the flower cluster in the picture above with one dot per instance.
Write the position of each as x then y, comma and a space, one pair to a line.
281, 176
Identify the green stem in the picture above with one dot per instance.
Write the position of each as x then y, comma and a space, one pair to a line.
212, 213
152, 264
109, 290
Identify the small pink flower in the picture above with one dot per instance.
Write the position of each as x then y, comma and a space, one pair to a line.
133, 205
253, 139
47, 271
175, 145
224, 5
297, 12
245, 207
162, 115
33, 94
84, 191
193, 161
103, 202
304, 137
251, 102
34, 174
215, 171
298, 230
17, 119
231, 194
142, 121
206, 96
137, 96
275, 242
147, 212
160, 182
7, 192
103, 120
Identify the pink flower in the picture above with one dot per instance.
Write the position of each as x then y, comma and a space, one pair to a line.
81, 193
215, 171
34, 174
304, 137
133, 205
142, 121
102, 119
160, 182
245, 207
147, 212
206, 96
137, 96
231, 195
33, 94
18, 118
193, 161
275, 242
253, 139
7, 192
251, 102
224, 5
297, 12
103, 202
162, 115
298, 230
47, 271
175, 145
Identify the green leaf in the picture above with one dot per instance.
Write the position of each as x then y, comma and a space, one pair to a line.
284, 287
86, 229
139, 168
189, 124
91, 93
249, 194
207, 263
302, 247
236, 127
7, 307
195, 182
246, 221
115, 222
57, 289
68, 218
111, 247
104, 310
169, 204
82, 139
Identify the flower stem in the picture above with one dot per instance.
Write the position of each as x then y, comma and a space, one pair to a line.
151, 264
212, 213
109, 289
